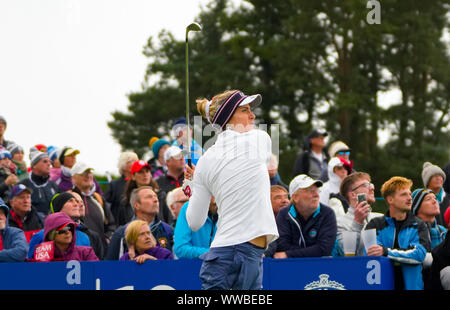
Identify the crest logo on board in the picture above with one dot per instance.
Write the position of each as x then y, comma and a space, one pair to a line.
324, 284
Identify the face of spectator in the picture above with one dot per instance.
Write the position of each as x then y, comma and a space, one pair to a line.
318, 142
2, 219
182, 136
429, 206
176, 163
80, 203
71, 208
148, 202
341, 172
64, 236
70, 160
43, 167
180, 200
2, 128
363, 186
307, 199
144, 240
84, 181
142, 177
400, 200
21, 204
243, 119
436, 182
5, 162
273, 172
18, 156
279, 199
161, 152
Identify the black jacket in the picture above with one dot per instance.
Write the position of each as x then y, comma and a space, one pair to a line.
33, 222
167, 183
114, 194
43, 191
441, 259
95, 239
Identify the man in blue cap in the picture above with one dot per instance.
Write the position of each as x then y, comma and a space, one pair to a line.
13, 245
312, 161
22, 214
179, 131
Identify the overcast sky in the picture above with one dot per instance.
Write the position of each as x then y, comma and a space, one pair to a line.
65, 65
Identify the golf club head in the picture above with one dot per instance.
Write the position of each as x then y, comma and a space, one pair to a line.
193, 27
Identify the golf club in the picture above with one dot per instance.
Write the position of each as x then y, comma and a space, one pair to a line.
191, 27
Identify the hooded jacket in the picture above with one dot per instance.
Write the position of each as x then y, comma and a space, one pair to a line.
73, 252
15, 245
413, 243
82, 239
334, 181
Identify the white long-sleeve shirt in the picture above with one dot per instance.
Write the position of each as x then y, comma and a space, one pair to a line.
234, 171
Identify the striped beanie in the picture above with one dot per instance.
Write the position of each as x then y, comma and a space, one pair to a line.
36, 156
418, 195
227, 109
14, 148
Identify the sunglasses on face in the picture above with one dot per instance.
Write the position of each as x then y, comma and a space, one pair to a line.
343, 153
63, 230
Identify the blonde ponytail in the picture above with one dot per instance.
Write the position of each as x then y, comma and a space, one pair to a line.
201, 104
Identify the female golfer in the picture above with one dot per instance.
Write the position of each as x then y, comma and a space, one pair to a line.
234, 170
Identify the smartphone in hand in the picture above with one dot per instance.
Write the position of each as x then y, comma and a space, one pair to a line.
361, 197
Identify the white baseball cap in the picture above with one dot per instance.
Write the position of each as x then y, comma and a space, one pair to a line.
80, 168
171, 152
302, 181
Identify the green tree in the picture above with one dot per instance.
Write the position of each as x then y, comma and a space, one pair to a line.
316, 63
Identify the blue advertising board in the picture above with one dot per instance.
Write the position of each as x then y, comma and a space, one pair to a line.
346, 273
329, 273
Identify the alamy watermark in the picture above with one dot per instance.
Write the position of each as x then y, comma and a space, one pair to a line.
264, 140
374, 15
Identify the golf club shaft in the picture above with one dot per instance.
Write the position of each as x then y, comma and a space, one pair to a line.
187, 103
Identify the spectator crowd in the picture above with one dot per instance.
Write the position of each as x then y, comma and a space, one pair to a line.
55, 210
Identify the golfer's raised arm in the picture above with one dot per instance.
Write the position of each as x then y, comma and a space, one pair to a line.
198, 207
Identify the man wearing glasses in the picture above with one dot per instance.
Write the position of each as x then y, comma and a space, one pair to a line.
359, 213
307, 228
175, 199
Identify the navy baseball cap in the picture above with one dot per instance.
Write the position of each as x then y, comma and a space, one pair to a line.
18, 189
